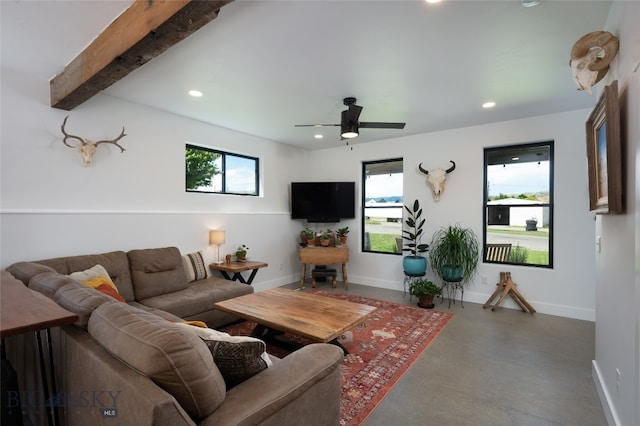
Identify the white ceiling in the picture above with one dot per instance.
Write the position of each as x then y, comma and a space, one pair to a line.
265, 66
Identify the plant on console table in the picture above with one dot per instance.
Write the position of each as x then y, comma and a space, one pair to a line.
425, 291
325, 238
241, 253
307, 234
341, 233
414, 264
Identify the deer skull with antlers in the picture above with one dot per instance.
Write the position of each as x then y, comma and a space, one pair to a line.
436, 178
88, 148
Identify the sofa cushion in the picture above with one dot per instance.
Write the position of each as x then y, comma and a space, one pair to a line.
24, 271
198, 297
194, 266
81, 300
177, 360
237, 357
159, 312
116, 263
156, 271
97, 277
48, 283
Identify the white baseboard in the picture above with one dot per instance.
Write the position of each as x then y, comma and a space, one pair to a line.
481, 298
605, 397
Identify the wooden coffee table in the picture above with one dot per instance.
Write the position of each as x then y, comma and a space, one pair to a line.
317, 318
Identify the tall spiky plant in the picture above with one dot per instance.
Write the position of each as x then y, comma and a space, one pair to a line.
415, 223
454, 249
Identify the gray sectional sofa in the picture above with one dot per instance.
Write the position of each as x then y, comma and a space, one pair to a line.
149, 369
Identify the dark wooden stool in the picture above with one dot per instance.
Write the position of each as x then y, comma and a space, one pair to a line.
323, 272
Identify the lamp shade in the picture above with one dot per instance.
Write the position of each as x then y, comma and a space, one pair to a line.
216, 236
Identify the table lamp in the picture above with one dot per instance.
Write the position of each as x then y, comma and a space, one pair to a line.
216, 236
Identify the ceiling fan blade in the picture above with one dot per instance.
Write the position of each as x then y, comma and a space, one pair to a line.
315, 125
350, 123
379, 125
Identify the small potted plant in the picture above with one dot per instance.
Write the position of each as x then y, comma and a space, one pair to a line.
306, 234
342, 234
425, 291
325, 238
241, 253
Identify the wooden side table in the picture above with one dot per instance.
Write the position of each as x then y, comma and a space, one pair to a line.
24, 310
236, 268
324, 256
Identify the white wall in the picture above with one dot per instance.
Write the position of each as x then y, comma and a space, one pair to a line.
569, 288
617, 265
54, 206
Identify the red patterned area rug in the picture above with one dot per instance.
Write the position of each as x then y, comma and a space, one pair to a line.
380, 351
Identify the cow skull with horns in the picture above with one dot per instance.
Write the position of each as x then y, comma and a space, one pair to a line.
88, 148
436, 178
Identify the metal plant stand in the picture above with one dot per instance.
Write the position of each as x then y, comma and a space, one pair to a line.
452, 287
410, 279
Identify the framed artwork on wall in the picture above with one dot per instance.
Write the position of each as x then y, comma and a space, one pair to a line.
604, 154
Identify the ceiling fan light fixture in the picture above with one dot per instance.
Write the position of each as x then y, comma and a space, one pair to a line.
349, 130
530, 3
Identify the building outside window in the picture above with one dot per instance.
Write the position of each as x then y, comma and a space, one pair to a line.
518, 203
382, 203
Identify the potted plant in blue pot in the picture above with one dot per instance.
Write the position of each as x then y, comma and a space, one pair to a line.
414, 264
454, 253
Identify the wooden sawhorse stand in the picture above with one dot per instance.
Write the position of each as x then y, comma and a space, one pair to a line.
508, 287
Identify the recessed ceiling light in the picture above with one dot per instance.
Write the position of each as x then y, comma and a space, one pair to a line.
195, 93
530, 3
489, 104
432, 1
318, 136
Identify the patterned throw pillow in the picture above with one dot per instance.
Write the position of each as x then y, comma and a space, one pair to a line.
104, 285
97, 277
237, 357
194, 266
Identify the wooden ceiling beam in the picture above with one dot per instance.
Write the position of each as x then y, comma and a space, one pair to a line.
142, 32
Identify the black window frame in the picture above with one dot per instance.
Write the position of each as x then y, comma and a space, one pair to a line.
363, 241
223, 156
549, 205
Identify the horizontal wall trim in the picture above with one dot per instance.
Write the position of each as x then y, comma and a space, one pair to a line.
136, 212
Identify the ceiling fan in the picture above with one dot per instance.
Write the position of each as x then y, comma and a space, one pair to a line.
350, 126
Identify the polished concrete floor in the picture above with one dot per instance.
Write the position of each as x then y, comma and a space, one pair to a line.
502, 368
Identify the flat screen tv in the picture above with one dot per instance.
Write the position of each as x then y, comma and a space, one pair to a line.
323, 201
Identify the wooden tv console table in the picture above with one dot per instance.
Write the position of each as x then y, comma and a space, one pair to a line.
324, 256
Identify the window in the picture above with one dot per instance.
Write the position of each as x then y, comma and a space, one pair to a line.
208, 170
518, 204
382, 206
